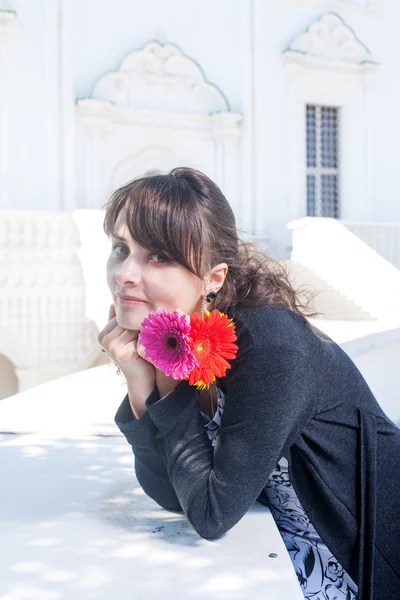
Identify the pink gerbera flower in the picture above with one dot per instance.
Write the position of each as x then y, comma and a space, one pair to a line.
165, 337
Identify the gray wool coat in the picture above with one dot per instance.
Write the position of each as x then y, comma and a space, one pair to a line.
287, 394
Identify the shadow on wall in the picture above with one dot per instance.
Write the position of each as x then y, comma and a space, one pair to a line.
8, 378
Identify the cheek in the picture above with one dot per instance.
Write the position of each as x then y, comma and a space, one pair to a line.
110, 269
176, 290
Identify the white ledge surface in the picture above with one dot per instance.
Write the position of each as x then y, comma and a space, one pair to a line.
76, 523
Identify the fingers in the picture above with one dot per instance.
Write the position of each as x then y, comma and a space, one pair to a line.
114, 336
112, 326
140, 349
128, 336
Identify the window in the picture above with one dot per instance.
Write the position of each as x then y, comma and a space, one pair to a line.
322, 124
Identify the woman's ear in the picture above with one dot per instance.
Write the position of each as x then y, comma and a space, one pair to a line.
216, 277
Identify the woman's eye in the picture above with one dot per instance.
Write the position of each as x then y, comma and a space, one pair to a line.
116, 248
159, 258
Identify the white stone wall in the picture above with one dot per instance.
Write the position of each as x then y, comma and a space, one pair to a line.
93, 93
60, 50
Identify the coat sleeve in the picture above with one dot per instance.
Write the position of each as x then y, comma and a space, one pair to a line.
270, 393
151, 471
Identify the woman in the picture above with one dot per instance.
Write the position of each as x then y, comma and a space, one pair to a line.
292, 425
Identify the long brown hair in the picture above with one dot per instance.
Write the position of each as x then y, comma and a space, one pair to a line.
184, 216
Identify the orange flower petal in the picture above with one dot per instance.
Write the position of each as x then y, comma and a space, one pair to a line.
211, 340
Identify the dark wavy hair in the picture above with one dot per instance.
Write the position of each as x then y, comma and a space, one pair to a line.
185, 216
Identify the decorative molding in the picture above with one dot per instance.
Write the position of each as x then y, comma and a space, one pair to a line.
158, 110
94, 112
330, 43
158, 86
160, 77
7, 20
367, 6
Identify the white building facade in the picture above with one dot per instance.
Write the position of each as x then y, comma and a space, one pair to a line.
291, 106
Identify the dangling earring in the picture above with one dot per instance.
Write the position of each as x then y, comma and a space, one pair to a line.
203, 306
209, 298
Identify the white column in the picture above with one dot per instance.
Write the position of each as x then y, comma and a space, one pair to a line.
67, 107
369, 86
246, 69
228, 138
7, 20
54, 108
60, 107
52, 100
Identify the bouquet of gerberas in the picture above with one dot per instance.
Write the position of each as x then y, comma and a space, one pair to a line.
194, 348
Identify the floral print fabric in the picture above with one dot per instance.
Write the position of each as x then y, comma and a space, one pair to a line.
320, 575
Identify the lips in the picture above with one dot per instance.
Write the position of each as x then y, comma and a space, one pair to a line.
132, 298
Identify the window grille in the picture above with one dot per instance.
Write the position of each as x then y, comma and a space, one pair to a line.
322, 123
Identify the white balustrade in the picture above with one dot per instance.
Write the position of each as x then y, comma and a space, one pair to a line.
347, 263
382, 237
43, 294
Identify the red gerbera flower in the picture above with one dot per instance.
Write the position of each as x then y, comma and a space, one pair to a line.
211, 340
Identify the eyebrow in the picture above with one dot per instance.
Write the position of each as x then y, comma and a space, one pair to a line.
118, 237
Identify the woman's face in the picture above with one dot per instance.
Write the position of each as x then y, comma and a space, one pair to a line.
132, 271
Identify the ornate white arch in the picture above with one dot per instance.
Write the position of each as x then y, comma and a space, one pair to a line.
329, 43
160, 77
158, 99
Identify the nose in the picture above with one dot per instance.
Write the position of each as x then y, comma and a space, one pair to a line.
129, 273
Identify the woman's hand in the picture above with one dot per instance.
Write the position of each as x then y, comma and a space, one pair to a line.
127, 353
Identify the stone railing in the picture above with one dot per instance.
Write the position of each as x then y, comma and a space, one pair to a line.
43, 292
382, 237
337, 256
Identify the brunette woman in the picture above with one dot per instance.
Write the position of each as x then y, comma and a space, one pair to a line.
292, 424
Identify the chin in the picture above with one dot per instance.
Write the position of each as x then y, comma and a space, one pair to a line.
129, 320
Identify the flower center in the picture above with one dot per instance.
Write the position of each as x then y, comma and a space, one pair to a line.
172, 342
203, 347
